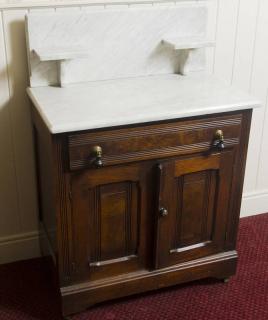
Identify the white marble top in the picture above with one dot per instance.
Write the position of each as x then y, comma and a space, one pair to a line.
108, 103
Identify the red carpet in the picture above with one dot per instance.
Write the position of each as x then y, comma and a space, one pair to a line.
26, 292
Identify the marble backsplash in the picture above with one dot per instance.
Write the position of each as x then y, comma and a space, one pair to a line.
116, 43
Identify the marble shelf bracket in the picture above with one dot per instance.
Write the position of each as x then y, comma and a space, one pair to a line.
63, 57
191, 53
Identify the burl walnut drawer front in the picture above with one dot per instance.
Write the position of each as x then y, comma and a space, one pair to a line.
104, 148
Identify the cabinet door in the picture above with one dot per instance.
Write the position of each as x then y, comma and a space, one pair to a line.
110, 228
192, 207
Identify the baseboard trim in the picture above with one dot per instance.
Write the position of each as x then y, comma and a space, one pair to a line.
254, 203
19, 247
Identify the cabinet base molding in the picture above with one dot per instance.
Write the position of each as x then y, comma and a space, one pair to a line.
77, 298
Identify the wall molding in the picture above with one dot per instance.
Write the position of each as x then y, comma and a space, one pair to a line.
15, 4
254, 203
19, 247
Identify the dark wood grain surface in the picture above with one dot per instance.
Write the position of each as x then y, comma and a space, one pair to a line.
162, 210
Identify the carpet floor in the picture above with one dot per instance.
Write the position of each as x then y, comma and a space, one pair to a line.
26, 291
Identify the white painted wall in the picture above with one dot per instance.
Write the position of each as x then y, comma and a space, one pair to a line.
240, 28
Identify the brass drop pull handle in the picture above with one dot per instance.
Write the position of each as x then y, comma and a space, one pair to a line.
97, 154
163, 212
218, 141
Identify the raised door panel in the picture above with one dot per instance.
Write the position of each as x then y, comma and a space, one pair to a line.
113, 222
195, 193
195, 196
111, 229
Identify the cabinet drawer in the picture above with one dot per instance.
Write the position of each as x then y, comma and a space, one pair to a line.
151, 141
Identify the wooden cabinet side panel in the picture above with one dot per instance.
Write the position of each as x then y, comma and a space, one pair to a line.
54, 198
45, 184
238, 182
64, 217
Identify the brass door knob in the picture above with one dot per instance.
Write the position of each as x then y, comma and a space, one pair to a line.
163, 212
97, 154
218, 141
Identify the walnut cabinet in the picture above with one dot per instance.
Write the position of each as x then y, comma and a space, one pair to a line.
140, 207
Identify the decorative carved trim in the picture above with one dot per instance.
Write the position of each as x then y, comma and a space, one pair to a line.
207, 198
128, 220
96, 253
151, 154
86, 138
212, 203
179, 208
65, 236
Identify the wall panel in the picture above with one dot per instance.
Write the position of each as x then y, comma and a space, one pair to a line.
213, 11
259, 87
226, 39
242, 76
18, 105
9, 213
